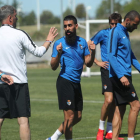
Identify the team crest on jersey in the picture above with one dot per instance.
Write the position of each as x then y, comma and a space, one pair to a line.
133, 94
105, 86
68, 102
81, 46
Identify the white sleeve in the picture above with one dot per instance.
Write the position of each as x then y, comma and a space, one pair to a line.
29, 45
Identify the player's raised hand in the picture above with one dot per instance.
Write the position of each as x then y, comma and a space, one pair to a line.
52, 34
59, 48
7, 79
92, 46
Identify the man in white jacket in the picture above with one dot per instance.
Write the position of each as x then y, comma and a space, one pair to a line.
14, 99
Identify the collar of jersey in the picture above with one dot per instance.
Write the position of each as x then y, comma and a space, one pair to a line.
7, 25
121, 26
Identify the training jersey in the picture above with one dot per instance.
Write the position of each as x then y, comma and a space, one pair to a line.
120, 54
102, 38
13, 46
72, 58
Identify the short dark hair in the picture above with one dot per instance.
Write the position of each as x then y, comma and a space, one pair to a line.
132, 15
71, 17
115, 16
5, 11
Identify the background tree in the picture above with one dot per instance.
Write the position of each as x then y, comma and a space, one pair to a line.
132, 5
104, 9
46, 17
29, 19
54, 20
15, 4
67, 12
80, 11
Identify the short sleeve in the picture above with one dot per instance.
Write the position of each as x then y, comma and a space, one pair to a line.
54, 53
97, 38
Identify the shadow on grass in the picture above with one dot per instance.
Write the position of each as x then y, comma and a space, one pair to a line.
126, 135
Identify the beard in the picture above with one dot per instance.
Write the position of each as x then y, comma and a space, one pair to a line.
129, 28
71, 38
14, 25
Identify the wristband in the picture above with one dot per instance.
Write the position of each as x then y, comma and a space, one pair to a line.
1, 75
48, 41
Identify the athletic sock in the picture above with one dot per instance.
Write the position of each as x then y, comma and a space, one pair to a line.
130, 138
109, 127
56, 135
101, 125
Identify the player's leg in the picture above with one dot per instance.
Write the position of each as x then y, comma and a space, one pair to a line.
106, 106
111, 111
22, 111
117, 121
108, 95
65, 93
24, 128
57, 134
77, 117
59, 131
104, 113
132, 118
73, 117
1, 122
110, 114
68, 123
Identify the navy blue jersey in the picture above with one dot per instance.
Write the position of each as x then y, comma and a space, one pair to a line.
120, 54
72, 58
102, 38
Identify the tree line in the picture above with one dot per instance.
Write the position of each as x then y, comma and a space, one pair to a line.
102, 12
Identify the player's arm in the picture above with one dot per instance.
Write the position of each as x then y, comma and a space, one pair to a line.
112, 51
135, 62
56, 60
6, 78
33, 48
97, 38
89, 59
104, 64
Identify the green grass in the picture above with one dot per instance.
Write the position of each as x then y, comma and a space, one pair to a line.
46, 117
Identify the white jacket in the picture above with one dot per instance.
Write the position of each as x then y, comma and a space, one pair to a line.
13, 46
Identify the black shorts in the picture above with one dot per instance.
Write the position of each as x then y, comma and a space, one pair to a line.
14, 101
106, 83
69, 95
123, 94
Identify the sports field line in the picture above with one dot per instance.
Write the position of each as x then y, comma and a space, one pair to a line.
50, 100
91, 137
82, 138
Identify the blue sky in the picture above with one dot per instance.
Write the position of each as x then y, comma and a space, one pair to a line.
54, 5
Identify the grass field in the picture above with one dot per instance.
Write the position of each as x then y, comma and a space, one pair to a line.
46, 116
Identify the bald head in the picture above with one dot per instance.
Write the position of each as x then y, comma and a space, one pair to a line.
132, 15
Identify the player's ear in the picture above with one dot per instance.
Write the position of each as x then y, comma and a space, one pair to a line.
127, 20
76, 26
9, 18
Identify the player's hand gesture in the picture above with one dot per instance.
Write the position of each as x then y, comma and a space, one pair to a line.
92, 46
7, 79
52, 34
59, 48
125, 81
104, 64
